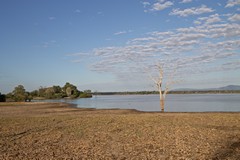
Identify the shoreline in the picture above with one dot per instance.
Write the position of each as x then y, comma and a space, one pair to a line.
74, 106
171, 92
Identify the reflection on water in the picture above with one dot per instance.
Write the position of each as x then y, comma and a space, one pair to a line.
174, 102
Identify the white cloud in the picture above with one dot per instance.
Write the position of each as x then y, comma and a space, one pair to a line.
213, 19
197, 22
235, 17
208, 20
145, 4
224, 30
161, 5
122, 32
191, 36
137, 40
232, 3
193, 50
161, 33
157, 6
186, 1
191, 11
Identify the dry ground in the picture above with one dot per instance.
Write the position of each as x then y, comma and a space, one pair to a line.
58, 131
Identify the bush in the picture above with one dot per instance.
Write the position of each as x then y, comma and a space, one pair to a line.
2, 98
85, 95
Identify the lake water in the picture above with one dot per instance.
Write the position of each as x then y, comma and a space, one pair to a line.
173, 103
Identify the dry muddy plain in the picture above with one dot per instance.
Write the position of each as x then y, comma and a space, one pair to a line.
60, 131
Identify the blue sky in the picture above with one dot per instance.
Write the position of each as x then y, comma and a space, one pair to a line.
113, 45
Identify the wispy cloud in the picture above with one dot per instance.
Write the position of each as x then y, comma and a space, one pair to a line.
186, 1
158, 6
145, 4
161, 6
192, 50
232, 3
235, 17
208, 20
191, 11
122, 32
231, 65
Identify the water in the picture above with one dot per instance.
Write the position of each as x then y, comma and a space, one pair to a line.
173, 103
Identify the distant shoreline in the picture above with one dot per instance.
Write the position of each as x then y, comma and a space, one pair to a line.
171, 92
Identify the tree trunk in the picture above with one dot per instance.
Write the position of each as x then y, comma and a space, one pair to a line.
161, 99
162, 104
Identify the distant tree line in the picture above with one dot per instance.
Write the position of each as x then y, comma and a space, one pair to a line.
55, 92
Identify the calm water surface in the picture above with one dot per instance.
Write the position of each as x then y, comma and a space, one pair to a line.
174, 102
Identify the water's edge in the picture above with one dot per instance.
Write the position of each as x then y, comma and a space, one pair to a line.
150, 103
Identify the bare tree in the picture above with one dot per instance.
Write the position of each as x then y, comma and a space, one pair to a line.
159, 84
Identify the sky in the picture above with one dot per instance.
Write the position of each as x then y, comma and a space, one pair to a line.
115, 45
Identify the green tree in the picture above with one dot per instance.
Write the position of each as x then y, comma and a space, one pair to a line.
87, 91
86, 94
29, 97
41, 92
34, 93
58, 92
49, 93
66, 86
57, 89
70, 90
19, 93
9, 97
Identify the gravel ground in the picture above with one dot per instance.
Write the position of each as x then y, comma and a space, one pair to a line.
59, 131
